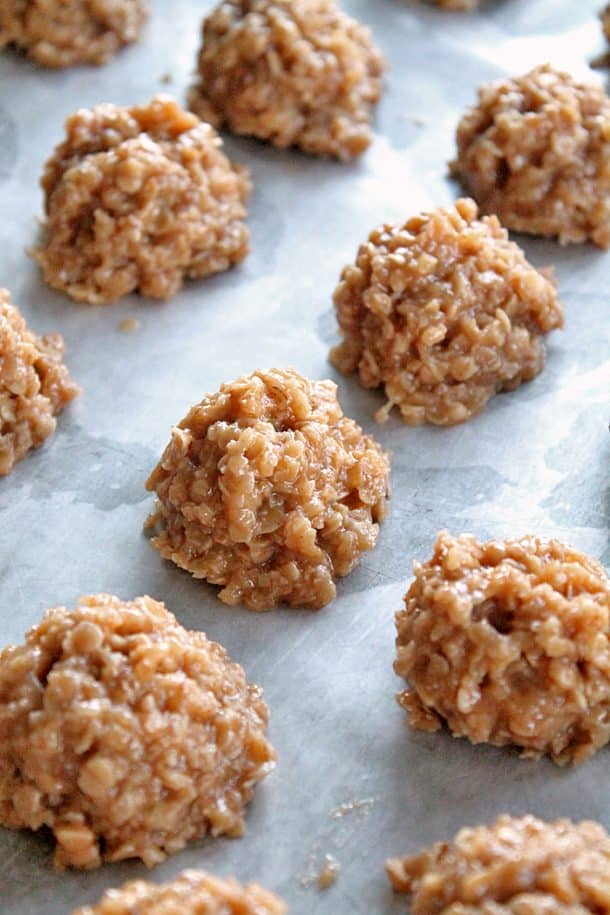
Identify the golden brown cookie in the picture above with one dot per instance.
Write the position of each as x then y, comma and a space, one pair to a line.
126, 734
519, 866
508, 642
268, 490
56, 33
292, 72
535, 151
34, 385
443, 312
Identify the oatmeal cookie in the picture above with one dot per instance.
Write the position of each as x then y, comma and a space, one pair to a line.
191, 893
34, 385
443, 312
125, 734
139, 199
508, 642
63, 33
267, 489
522, 866
536, 152
293, 72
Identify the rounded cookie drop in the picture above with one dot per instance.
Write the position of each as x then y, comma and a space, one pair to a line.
523, 866
57, 34
35, 385
292, 72
508, 642
443, 312
125, 734
190, 893
536, 152
140, 199
267, 489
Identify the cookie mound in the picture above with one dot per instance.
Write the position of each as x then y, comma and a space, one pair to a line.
293, 73
191, 893
58, 34
34, 385
139, 199
536, 152
267, 489
443, 312
508, 642
125, 734
514, 867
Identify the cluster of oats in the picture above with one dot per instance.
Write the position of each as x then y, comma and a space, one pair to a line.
128, 736
34, 385
191, 893
268, 490
508, 642
535, 151
296, 74
58, 34
125, 734
522, 866
140, 199
443, 312
605, 17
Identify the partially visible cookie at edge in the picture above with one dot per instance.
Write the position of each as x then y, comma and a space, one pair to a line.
292, 72
35, 385
192, 892
267, 489
535, 151
515, 866
126, 735
443, 312
58, 34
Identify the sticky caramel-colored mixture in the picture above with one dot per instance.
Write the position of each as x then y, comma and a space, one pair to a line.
56, 33
125, 734
522, 866
34, 385
443, 312
128, 325
139, 199
605, 17
191, 893
293, 72
536, 152
457, 5
267, 489
508, 642
328, 873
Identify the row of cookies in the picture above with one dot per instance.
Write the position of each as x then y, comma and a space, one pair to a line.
152, 181
141, 198
57, 34
505, 642
516, 865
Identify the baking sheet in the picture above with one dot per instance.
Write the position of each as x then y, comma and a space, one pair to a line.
351, 781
